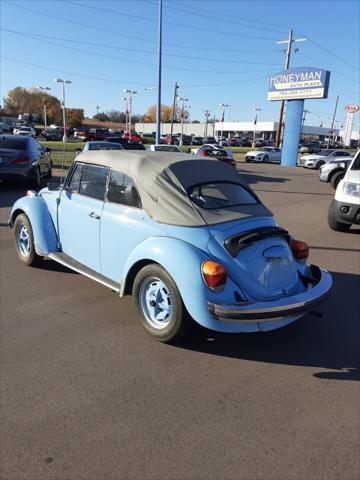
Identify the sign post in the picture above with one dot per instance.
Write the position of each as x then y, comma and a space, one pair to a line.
351, 110
295, 85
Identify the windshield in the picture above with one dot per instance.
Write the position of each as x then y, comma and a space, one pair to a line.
264, 149
105, 146
356, 163
220, 195
166, 148
14, 143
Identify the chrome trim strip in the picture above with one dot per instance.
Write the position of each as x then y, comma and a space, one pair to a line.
112, 285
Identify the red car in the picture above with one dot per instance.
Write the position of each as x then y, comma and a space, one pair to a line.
133, 137
91, 134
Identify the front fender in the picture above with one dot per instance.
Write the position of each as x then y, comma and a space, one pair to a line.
183, 262
44, 232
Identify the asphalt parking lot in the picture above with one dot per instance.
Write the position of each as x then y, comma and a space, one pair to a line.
86, 395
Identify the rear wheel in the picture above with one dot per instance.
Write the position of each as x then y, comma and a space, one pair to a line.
333, 223
24, 241
335, 179
158, 300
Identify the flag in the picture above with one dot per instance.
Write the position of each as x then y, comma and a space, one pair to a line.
255, 120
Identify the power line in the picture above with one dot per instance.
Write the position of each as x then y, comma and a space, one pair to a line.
333, 54
35, 35
126, 82
94, 27
232, 16
177, 24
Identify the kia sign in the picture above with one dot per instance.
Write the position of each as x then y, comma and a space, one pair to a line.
352, 108
299, 83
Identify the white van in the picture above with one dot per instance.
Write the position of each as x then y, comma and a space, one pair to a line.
344, 210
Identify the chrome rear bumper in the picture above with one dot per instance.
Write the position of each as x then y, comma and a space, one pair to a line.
268, 311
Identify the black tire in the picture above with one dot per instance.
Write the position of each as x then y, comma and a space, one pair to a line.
49, 174
174, 325
265, 158
24, 241
333, 223
36, 180
335, 179
319, 165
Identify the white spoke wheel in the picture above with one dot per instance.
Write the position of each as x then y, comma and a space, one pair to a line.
161, 309
24, 241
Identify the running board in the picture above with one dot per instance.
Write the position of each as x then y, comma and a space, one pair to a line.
69, 262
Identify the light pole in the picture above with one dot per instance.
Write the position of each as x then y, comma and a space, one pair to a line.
60, 80
158, 105
255, 122
223, 106
182, 100
131, 93
97, 113
44, 89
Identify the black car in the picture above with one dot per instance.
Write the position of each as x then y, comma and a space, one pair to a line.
197, 140
52, 135
210, 141
23, 158
127, 145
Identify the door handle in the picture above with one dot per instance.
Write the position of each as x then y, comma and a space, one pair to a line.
94, 215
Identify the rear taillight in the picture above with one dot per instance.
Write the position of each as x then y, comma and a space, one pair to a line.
299, 249
214, 274
22, 160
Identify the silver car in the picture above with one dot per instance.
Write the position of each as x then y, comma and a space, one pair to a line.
317, 160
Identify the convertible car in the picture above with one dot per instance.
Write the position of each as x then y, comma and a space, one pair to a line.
186, 237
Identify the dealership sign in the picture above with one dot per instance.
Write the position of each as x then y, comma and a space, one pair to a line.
352, 108
299, 83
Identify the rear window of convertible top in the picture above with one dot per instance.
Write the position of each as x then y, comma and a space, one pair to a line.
218, 195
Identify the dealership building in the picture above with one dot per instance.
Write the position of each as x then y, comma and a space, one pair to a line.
263, 130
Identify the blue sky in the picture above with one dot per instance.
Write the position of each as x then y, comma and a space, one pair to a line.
218, 51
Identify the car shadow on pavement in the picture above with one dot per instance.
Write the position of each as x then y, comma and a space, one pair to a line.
253, 178
329, 343
52, 266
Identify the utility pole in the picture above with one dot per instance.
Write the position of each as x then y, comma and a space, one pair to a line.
214, 125
158, 105
289, 42
97, 113
207, 115
333, 120
173, 110
303, 121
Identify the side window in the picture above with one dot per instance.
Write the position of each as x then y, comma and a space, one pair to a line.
74, 181
93, 181
122, 190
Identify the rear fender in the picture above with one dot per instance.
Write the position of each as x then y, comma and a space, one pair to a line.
183, 262
44, 232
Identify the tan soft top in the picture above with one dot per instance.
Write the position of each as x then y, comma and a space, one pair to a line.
163, 179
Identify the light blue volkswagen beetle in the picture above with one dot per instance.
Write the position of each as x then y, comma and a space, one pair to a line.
186, 237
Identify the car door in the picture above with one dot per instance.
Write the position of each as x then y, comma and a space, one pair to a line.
124, 224
276, 154
79, 214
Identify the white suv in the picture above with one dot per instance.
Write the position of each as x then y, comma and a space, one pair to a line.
344, 210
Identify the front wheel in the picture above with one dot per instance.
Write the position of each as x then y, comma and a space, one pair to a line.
265, 158
333, 223
319, 165
158, 300
335, 179
24, 241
